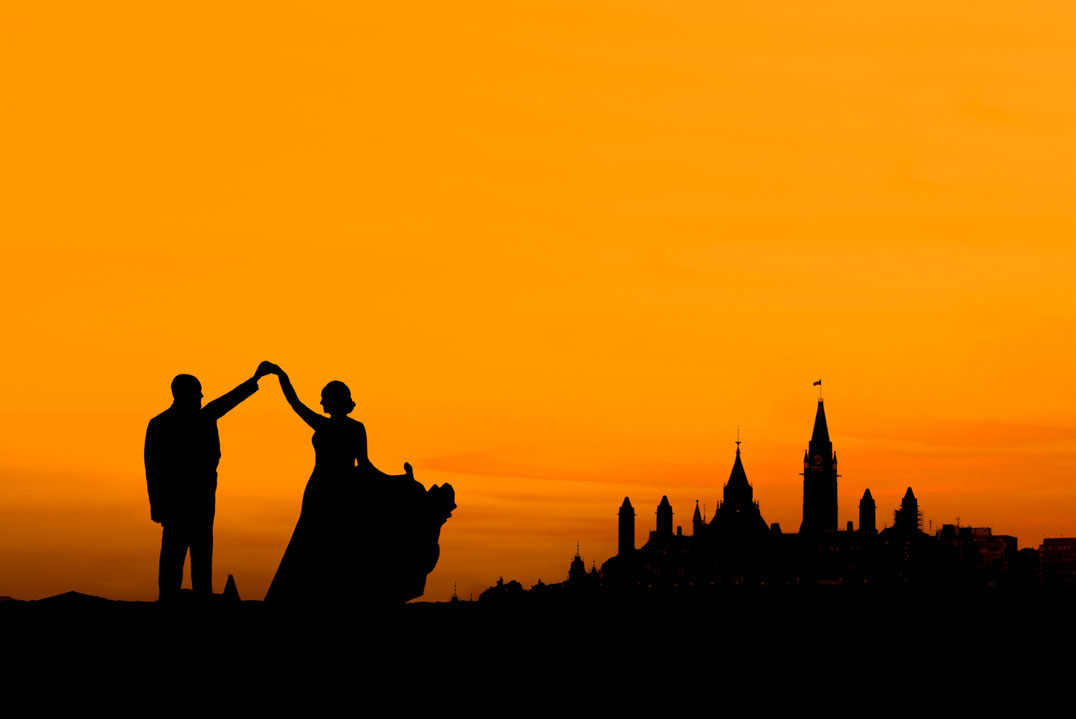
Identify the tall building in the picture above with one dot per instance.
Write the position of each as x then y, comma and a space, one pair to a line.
665, 518
819, 479
626, 545
868, 522
908, 518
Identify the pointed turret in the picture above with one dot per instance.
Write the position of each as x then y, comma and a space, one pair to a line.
696, 521
867, 516
231, 591
577, 571
907, 518
626, 543
665, 518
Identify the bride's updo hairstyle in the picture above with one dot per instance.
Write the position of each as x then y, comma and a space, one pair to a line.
336, 398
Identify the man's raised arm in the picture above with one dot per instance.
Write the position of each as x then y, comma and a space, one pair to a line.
227, 402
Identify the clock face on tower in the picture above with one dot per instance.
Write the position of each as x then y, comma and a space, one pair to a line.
816, 460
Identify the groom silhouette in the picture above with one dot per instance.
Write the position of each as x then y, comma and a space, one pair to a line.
182, 453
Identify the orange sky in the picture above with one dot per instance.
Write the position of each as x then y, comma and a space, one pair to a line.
559, 251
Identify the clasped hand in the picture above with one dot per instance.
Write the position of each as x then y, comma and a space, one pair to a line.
267, 368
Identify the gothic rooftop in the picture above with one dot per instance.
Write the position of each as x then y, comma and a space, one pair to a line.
738, 477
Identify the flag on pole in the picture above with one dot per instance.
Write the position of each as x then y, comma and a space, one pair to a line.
817, 384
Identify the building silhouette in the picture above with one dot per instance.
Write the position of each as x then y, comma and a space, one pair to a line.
867, 514
908, 518
665, 518
626, 534
737, 517
1058, 562
736, 546
819, 479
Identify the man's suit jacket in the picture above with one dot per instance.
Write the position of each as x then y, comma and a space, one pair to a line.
182, 454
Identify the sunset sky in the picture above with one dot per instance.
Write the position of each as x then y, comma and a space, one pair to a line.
559, 250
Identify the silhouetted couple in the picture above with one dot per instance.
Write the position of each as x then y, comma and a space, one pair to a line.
362, 535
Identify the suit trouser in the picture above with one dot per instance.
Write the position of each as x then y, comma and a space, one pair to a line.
179, 536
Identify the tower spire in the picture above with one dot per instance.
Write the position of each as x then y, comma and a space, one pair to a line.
738, 488
819, 476
820, 433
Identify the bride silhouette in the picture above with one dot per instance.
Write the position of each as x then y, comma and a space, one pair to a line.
362, 535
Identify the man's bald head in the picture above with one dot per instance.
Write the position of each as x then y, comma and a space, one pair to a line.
187, 391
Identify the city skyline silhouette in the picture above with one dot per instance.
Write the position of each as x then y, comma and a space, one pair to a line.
559, 252
735, 548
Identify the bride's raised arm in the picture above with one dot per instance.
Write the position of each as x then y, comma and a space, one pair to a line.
308, 415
